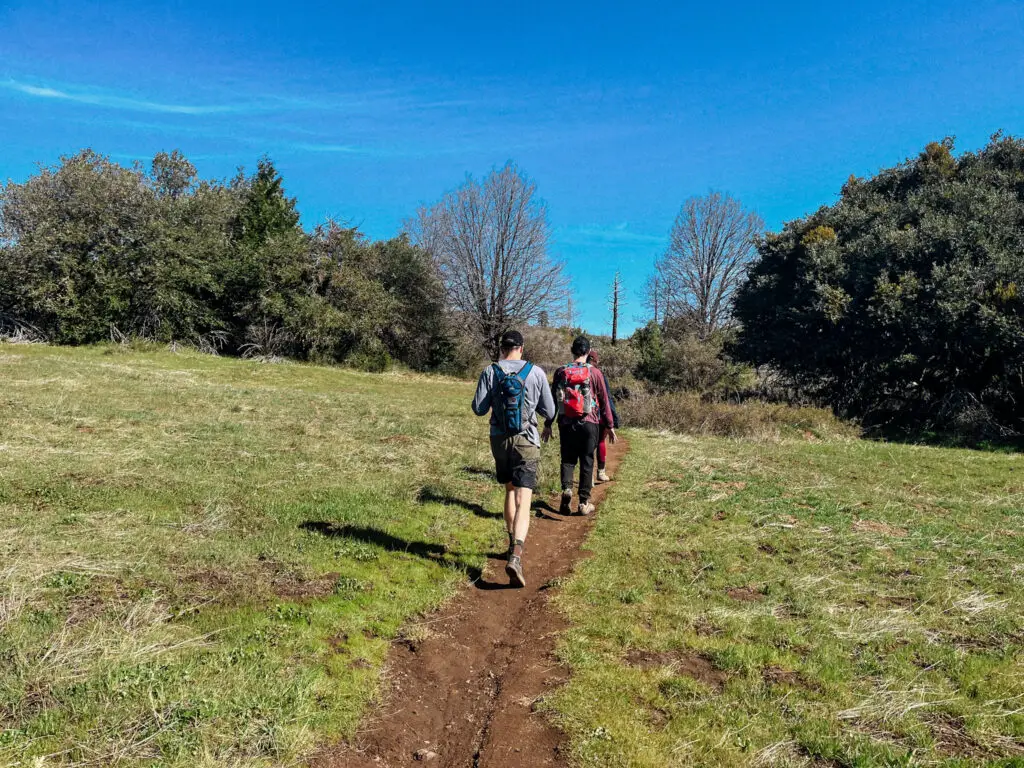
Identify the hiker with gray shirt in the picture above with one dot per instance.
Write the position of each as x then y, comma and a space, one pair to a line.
514, 392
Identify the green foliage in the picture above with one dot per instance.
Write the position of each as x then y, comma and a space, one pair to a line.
90, 250
71, 254
266, 213
899, 304
648, 343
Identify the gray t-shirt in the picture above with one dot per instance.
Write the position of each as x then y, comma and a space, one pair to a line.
536, 398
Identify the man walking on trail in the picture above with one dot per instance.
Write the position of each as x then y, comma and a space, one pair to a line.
583, 409
515, 391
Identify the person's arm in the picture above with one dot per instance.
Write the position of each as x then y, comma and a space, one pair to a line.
548, 420
482, 398
611, 401
546, 401
607, 419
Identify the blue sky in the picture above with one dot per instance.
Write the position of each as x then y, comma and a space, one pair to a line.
619, 111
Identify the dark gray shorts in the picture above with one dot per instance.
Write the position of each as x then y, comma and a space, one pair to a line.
516, 460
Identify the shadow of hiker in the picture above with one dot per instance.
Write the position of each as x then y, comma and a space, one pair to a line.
490, 586
479, 471
546, 511
428, 495
437, 553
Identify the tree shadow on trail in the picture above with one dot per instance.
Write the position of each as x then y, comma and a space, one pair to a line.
428, 495
437, 553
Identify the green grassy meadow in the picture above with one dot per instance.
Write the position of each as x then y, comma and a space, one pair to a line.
801, 603
203, 560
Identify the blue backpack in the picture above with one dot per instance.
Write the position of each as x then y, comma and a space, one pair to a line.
508, 398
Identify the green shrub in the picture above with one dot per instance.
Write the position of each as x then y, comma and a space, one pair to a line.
370, 356
899, 304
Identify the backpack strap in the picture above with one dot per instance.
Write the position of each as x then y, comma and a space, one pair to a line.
524, 372
499, 374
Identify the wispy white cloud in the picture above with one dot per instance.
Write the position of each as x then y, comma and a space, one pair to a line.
342, 149
615, 234
369, 102
113, 101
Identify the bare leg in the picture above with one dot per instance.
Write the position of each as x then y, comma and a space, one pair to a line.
523, 497
510, 513
519, 526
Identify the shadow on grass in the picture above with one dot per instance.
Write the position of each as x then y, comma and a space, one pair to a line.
483, 472
434, 552
1009, 444
428, 495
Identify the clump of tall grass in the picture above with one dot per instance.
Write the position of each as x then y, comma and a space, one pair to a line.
689, 413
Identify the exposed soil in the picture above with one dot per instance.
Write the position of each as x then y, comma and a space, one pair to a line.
269, 580
692, 665
689, 555
466, 695
774, 675
745, 594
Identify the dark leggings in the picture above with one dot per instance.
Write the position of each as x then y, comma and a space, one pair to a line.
578, 441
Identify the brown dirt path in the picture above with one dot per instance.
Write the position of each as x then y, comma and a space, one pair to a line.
465, 695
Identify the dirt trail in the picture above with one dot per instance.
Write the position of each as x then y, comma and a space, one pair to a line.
465, 695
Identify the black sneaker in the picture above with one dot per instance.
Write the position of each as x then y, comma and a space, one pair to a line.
514, 569
566, 508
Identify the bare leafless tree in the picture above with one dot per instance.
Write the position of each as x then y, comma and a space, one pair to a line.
615, 303
654, 299
489, 240
710, 244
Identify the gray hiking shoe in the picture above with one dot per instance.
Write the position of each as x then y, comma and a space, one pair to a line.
566, 508
602, 476
514, 569
585, 508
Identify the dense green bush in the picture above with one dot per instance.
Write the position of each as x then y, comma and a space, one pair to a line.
903, 303
91, 250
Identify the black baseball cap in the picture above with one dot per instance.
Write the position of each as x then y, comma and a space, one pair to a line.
580, 346
511, 339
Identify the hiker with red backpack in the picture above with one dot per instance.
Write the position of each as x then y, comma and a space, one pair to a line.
584, 407
594, 358
515, 391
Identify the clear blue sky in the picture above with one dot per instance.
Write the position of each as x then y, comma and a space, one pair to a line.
619, 111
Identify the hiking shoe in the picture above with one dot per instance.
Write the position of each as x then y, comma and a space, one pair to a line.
514, 569
602, 476
585, 508
566, 508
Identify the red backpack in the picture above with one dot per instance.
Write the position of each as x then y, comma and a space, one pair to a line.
575, 397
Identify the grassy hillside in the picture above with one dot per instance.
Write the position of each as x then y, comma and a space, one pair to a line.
202, 560
800, 603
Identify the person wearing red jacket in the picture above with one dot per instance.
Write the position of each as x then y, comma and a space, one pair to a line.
584, 407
